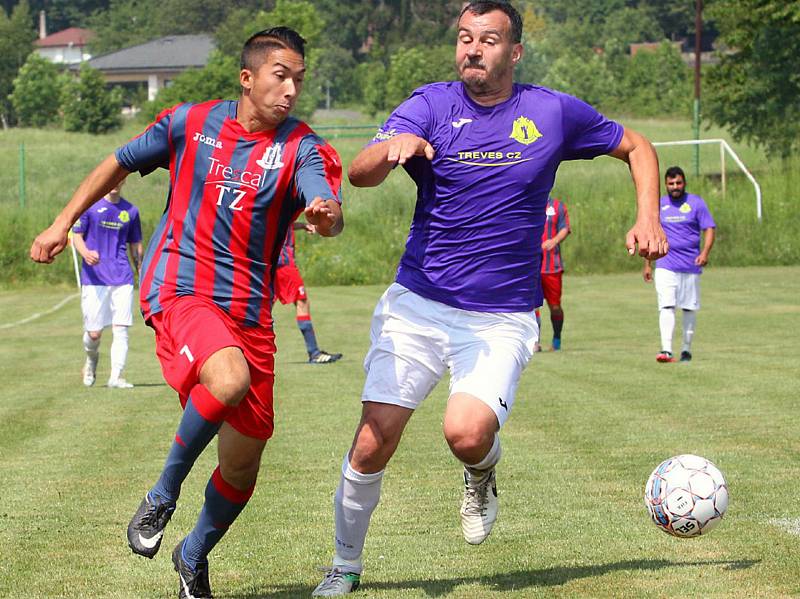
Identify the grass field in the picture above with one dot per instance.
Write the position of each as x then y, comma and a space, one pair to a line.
589, 425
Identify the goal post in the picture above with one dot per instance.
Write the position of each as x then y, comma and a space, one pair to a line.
723, 148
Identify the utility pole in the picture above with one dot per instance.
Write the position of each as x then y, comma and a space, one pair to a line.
698, 32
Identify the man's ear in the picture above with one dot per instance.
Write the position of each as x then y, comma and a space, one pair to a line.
516, 53
246, 79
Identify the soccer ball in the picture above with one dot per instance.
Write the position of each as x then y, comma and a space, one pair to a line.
686, 496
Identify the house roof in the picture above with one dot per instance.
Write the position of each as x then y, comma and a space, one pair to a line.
74, 36
171, 52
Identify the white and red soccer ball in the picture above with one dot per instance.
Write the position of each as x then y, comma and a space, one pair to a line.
686, 496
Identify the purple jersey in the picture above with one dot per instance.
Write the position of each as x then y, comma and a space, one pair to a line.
475, 238
557, 219
233, 194
107, 228
682, 221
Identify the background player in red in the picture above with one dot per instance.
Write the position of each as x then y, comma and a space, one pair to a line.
556, 229
240, 174
290, 289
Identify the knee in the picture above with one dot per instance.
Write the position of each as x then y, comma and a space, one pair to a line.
240, 469
95, 335
228, 380
555, 310
468, 438
372, 447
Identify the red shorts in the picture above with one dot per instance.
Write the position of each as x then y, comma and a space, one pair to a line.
289, 286
189, 330
551, 287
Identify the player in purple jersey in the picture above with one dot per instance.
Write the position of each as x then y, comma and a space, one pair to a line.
483, 153
240, 174
101, 236
677, 275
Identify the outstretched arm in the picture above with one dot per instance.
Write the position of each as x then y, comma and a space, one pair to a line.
642, 159
325, 216
50, 242
374, 163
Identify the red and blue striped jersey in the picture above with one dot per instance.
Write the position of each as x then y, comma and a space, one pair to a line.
286, 257
557, 219
232, 197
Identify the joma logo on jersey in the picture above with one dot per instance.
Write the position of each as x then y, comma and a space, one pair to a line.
271, 160
524, 131
209, 141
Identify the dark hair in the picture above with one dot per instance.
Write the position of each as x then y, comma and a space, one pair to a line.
481, 7
673, 172
260, 44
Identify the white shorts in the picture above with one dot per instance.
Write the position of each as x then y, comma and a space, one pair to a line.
104, 305
415, 339
677, 289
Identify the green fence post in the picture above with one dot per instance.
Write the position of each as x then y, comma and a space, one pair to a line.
22, 175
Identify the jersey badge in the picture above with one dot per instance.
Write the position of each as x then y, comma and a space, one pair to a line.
271, 160
123, 216
524, 131
550, 211
685, 208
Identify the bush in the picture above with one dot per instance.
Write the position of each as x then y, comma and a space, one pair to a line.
37, 88
88, 106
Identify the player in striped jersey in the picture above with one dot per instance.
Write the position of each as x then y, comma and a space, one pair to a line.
290, 289
240, 174
556, 229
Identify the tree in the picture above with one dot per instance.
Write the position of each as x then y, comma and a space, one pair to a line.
219, 79
412, 67
88, 106
755, 89
37, 88
656, 83
16, 43
584, 75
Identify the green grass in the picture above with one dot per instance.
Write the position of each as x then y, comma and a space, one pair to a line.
589, 425
599, 194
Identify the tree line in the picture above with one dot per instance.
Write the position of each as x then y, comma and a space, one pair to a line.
371, 54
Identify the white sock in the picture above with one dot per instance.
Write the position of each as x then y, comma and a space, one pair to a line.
491, 458
689, 322
666, 322
90, 346
356, 498
119, 350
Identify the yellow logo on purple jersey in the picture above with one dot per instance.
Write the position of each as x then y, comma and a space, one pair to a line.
524, 131
685, 207
123, 216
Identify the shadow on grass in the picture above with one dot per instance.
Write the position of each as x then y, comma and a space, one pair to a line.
511, 581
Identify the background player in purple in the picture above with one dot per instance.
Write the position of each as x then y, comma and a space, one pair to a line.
290, 289
483, 153
677, 275
556, 229
101, 236
240, 174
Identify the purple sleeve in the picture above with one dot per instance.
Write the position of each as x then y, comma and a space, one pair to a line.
135, 230
150, 150
82, 224
412, 116
587, 133
319, 171
704, 218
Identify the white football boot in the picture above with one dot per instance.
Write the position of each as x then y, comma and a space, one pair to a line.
479, 508
119, 383
337, 582
89, 368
